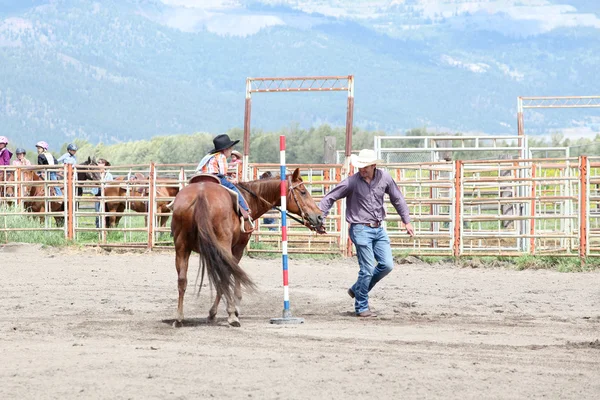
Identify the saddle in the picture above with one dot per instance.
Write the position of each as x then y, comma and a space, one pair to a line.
244, 216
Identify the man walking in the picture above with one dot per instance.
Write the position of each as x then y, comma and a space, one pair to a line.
364, 193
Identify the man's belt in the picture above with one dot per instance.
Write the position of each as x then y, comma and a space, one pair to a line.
371, 224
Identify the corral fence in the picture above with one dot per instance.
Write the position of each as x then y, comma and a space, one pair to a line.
503, 207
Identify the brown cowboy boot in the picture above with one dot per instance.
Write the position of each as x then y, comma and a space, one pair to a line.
247, 225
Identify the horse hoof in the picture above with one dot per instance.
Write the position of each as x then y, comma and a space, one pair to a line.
177, 324
211, 319
235, 324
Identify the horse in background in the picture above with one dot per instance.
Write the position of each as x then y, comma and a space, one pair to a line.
205, 220
36, 188
140, 206
87, 174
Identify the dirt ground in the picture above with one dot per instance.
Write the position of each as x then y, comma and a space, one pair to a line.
89, 324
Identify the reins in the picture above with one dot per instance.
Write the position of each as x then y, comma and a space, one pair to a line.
290, 189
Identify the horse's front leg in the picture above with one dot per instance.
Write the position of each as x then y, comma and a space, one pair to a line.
182, 257
238, 253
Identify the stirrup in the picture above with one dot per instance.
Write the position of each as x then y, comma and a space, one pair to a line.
243, 224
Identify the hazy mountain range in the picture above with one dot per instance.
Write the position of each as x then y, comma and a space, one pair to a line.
129, 69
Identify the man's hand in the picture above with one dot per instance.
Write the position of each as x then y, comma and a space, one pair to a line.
321, 230
409, 229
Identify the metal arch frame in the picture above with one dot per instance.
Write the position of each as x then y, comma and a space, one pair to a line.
552, 102
298, 84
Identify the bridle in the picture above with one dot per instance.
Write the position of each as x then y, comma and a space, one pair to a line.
291, 190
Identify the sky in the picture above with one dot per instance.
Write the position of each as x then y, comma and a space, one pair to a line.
537, 16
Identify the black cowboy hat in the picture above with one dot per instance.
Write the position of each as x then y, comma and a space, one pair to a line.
223, 142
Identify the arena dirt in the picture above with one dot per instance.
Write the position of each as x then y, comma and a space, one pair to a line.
88, 324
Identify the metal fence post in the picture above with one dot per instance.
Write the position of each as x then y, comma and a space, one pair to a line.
583, 207
458, 170
532, 211
70, 213
19, 186
151, 204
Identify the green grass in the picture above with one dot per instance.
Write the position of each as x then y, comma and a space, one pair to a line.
41, 236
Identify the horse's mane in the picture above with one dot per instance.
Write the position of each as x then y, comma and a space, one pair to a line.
264, 187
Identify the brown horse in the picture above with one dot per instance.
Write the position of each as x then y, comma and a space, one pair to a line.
204, 221
118, 206
36, 190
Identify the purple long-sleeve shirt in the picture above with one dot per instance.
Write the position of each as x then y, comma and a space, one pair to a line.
5, 156
364, 201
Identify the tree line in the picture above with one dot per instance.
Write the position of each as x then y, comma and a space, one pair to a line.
304, 146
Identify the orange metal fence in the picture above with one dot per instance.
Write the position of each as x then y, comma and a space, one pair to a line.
498, 207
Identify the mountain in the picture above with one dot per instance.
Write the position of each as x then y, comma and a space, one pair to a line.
113, 70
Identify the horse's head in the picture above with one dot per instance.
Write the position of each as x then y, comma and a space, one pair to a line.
89, 174
10, 190
300, 202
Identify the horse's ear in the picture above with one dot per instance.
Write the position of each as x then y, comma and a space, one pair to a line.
89, 160
296, 175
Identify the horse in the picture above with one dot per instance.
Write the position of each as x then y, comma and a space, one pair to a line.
205, 221
36, 190
118, 206
87, 174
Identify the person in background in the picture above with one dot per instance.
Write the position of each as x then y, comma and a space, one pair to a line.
69, 156
5, 153
236, 159
365, 211
21, 161
269, 221
106, 177
46, 158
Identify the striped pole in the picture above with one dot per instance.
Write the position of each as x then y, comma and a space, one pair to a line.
287, 313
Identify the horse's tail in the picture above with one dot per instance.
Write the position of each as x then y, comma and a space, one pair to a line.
221, 265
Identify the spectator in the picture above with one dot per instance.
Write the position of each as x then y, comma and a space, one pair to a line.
21, 161
236, 159
69, 156
46, 158
106, 177
5, 153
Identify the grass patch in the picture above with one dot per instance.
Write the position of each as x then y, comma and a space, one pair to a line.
41, 236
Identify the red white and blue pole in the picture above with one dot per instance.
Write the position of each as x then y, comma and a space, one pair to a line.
287, 314
284, 236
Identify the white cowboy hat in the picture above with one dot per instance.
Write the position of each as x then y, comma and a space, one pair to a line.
365, 158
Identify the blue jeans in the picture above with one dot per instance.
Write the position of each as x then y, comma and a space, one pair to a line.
231, 186
269, 221
97, 208
374, 259
53, 177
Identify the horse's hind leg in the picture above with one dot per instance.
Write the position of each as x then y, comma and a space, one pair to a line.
237, 292
182, 257
232, 319
212, 313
